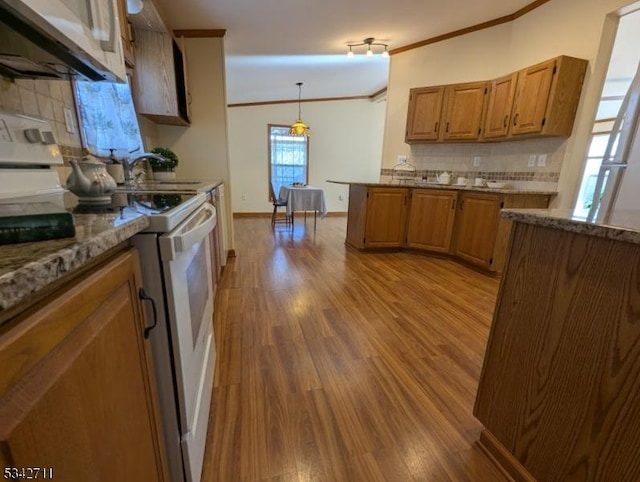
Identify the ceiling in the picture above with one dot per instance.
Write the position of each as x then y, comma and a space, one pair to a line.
272, 44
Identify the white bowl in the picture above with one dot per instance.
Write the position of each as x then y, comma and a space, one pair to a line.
496, 185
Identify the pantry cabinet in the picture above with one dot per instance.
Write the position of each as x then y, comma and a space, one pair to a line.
423, 119
160, 90
77, 391
499, 105
377, 217
431, 216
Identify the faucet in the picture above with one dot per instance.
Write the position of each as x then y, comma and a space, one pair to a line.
129, 164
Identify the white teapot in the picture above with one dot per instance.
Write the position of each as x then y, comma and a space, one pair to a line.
444, 178
90, 181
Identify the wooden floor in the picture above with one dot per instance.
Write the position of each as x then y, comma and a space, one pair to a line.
334, 365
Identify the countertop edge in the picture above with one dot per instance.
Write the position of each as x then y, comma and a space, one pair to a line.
557, 219
452, 187
18, 285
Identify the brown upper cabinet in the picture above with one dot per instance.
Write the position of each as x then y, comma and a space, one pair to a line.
462, 115
499, 105
538, 101
547, 97
160, 90
452, 112
423, 119
125, 34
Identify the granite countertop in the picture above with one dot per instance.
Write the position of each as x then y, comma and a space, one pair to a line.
623, 225
415, 185
28, 267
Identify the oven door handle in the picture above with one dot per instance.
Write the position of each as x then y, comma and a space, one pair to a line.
180, 241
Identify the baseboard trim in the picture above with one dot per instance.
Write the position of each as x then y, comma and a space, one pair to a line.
504, 460
334, 214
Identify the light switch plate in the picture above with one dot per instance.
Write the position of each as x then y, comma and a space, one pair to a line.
532, 160
402, 159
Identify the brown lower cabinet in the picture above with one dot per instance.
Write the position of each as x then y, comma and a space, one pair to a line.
466, 224
431, 220
77, 390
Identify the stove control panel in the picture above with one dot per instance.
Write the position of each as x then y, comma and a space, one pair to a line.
27, 141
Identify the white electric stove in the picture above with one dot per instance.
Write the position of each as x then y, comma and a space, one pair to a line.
176, 269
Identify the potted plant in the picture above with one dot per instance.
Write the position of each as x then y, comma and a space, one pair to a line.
163, 168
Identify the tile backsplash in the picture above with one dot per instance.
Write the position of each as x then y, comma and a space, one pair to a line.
500, 161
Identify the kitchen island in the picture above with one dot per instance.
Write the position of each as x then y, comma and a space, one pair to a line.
458, 221
559, 394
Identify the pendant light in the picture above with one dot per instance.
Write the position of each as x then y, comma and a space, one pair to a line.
299, 128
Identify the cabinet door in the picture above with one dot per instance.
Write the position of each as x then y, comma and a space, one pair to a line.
386, 214
431, 215
463, 112
423, 117
477, 227
125, 33
532, 97
77, 392
499, 105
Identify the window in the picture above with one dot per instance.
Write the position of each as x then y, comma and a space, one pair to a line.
108, 118
288, 157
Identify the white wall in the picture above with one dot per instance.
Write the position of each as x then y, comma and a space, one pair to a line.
559, 27
202, 147
345, 144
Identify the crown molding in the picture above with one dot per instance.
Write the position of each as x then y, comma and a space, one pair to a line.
474, 28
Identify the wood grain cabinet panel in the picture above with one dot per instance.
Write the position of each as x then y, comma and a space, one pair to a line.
160, 91
477, 227
499, 106
559, 393
463, 114
386, 215
77, 391
125, 34
431, 218
423, 118
547, 97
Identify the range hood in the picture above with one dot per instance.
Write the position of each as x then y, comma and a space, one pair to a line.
31, 48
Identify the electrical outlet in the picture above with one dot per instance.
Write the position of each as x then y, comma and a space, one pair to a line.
542, 160
340, 197
402, 159
477, 160
532, 160
244, 197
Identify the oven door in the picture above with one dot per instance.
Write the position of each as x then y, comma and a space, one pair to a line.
91, 25
186, 263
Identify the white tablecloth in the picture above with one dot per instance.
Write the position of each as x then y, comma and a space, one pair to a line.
304, 199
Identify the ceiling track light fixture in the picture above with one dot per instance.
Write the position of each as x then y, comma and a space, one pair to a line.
369, 42
299, 128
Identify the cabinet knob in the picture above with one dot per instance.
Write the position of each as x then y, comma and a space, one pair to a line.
435, 128
515, 119
506, 121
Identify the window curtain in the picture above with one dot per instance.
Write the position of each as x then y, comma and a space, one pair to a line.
108, 118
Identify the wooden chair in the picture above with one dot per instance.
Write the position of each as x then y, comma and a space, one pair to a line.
277, 203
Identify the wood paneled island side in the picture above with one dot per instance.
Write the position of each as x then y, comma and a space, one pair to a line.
559, 394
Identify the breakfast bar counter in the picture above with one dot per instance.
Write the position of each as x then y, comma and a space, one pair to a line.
559, 394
